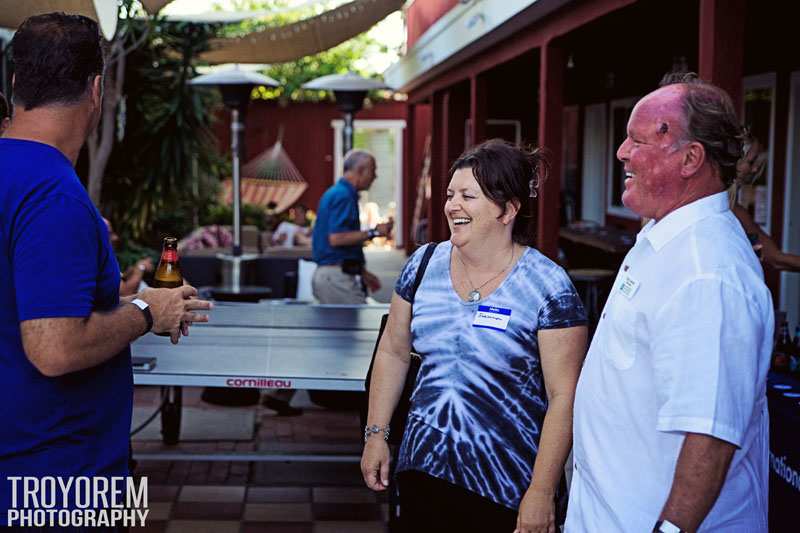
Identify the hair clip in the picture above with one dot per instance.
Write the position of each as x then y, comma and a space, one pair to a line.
532, 185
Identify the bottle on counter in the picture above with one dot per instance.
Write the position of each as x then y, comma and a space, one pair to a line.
781, 355
168, 274
794, 362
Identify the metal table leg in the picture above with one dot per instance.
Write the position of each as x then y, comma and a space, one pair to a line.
171, 414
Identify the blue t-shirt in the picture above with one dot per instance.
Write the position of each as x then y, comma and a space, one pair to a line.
57, 262
479, 402
337, 213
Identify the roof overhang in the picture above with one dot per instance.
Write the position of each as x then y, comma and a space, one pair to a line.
465, 30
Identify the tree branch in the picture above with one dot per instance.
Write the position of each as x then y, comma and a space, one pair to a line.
101, 143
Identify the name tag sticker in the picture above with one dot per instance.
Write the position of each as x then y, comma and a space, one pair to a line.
628, 286
492, 318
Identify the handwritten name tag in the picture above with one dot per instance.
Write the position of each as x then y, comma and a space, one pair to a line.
492, 318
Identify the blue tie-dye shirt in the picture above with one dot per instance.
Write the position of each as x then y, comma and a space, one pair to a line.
479, 402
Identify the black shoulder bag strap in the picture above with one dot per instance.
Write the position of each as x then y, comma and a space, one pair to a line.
423, 265
398, 421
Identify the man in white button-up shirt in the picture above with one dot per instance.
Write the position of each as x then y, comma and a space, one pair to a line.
671, 424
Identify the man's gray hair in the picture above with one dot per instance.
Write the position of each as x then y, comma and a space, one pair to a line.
355, 158
711, 120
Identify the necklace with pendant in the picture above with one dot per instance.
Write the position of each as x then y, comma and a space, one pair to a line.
475, 293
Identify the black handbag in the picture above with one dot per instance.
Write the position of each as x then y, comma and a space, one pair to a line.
398, 422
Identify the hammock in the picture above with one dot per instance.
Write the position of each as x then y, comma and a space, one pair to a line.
271, 177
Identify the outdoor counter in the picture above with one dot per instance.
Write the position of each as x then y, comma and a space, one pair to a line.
783, 394
595, 246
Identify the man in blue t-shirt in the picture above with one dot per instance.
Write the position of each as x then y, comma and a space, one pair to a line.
65, 372
5, 114
337, 239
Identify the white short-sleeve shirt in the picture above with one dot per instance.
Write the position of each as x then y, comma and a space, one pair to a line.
289, 229
683, 345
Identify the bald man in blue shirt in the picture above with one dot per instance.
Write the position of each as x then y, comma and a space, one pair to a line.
338, 240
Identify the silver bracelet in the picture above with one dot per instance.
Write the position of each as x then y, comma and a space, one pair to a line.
374, 429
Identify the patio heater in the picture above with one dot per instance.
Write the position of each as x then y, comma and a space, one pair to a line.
349, 90
235, 85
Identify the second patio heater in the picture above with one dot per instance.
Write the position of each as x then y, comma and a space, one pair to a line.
235, 85
349, 90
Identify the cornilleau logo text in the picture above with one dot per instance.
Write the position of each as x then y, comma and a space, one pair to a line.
261, 383
784, 471
77, 502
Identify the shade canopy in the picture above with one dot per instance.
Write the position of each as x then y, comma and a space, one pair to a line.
229, 16
105, 12
306, 37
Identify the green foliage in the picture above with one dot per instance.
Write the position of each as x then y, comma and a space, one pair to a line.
167, 163
346, 57
129, 253
163, 175
222, 215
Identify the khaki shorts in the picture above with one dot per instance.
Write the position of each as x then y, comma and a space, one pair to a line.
332, 286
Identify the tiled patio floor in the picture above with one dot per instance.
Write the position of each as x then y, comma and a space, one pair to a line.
279, 497
235, 496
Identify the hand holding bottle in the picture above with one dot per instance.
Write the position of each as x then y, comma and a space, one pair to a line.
174, 310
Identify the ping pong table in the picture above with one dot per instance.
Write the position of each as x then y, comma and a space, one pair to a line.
273, 344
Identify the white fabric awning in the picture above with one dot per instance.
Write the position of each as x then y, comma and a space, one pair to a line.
303, 38
14, 12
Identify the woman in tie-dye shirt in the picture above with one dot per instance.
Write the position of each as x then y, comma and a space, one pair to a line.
502, 335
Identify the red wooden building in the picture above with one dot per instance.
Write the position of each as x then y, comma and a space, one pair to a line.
309, 136
564, 74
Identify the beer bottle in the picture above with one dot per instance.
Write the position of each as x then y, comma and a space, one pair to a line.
794, 363
797, 339
781, 355
168, 274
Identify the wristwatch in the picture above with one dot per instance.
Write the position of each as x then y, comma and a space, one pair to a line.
665, 526
371, 234
144, 307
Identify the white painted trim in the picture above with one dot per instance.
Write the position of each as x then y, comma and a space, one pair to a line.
376, 124
790, 281
399, 192
792, 138
765, 81
593, 163
463, 25
623, 211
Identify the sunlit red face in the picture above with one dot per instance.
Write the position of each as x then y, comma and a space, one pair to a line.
652, 155
471, 215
